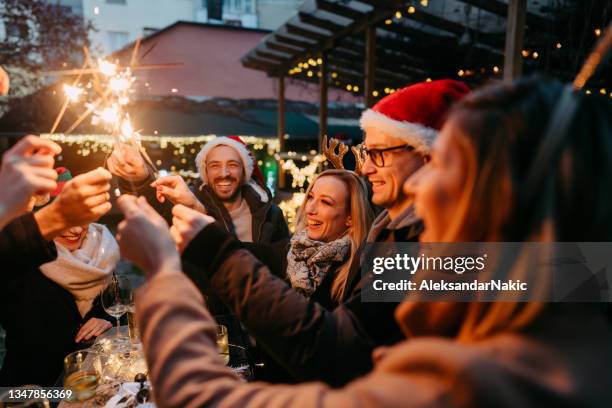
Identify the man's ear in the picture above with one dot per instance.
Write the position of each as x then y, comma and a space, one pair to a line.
349, 221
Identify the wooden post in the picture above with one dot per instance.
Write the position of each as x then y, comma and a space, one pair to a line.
322, 101
515, 33
280, 127
370, 65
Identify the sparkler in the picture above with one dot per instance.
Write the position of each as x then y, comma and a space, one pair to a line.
104, 97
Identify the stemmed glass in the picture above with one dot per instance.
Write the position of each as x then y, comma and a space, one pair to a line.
116, 297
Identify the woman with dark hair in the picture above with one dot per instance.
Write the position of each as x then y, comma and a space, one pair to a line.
486, 181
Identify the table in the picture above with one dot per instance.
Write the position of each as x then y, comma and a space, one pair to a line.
115, 365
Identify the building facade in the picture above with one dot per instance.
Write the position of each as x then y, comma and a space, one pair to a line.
119, 22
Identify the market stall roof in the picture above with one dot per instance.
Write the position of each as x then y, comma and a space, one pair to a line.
416, 40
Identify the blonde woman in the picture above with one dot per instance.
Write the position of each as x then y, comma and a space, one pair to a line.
331, 224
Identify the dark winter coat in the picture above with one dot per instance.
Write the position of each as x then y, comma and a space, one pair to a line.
40, 317
308, 340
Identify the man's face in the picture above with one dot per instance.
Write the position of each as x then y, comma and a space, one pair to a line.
225, 172
387, 181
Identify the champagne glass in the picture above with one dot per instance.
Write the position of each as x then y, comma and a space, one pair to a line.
116, 297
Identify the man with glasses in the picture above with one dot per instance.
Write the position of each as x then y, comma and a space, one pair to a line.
399, 131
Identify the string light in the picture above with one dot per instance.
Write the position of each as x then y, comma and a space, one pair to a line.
424, 3
356, 88
558, 45
374, 93
105, 143
525, 53
388, 21
398, 14
602, 91
535, 55
496, 69
349, 87
320, 61
597, 32
461, 73
428, 80
411, 10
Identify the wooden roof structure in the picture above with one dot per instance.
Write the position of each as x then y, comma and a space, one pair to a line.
372, 47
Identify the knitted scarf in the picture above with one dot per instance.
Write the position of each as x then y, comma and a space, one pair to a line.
309, 261
84, 272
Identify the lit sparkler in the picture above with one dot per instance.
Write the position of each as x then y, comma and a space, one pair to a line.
105, 97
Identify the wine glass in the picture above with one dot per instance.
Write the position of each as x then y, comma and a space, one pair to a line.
116, 297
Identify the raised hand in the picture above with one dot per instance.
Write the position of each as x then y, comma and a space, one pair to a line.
83, 200
27, 169
144, 238
175, 189
127, 163
186, 224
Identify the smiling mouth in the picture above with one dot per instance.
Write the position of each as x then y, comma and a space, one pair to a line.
71, 239
377, 183
313, 223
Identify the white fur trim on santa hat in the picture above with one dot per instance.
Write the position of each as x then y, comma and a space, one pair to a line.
247, 160
419, 136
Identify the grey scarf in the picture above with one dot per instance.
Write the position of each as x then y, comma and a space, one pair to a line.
309, 261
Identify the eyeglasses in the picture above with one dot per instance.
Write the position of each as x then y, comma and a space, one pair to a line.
380, 156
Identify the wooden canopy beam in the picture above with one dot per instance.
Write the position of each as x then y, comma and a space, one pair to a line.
340, 10
293, 42
515, 35
271, 56
319, 22
303, 32
501, 9
283, 48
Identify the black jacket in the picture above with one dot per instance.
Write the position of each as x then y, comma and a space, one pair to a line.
268, 222
308, 340
40, 317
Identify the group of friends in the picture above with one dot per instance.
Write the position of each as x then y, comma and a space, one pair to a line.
441, 164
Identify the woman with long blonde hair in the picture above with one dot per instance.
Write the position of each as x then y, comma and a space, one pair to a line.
332, 222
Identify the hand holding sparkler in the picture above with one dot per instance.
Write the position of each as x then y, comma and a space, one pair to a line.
175, 189
127, 162
27, 169
83, 200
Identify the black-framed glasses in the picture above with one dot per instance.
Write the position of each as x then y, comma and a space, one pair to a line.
378, 156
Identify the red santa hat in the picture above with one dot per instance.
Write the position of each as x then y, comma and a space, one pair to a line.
415, 113
252, 173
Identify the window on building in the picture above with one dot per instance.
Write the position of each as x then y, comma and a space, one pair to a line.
117, 39
116, 2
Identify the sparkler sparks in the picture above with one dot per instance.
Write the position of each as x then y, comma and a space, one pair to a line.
105, 95
73, 93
